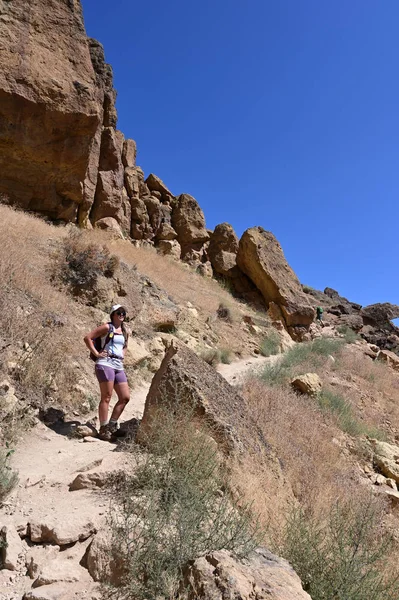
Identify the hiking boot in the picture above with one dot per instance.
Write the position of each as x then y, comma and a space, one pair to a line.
105, 433
116, 432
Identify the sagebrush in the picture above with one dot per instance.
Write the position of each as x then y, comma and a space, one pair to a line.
342, 554
79, 263
174, 508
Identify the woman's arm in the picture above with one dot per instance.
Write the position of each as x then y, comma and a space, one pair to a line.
97, 332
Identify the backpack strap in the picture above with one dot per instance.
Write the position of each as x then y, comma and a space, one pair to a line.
109, 335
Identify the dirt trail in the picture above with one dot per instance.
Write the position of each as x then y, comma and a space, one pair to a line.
47, 463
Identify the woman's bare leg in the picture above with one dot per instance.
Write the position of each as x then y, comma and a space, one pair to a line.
123, 393
106, 389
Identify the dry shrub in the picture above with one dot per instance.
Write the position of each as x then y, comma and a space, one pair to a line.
371, 387
175, 507
80, 262
297, 432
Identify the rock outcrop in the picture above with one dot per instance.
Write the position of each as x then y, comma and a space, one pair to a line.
261, 257
373, 322
50, 116
264, 576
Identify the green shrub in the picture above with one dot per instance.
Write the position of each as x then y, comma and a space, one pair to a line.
8, 477
226, 356
174, 508
342, 410
312, 353
271, 344
350, 336
341, 554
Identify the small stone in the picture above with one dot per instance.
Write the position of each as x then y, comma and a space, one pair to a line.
86, 431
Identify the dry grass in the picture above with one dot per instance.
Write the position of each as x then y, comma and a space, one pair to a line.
299, 460
180, 282
41, 327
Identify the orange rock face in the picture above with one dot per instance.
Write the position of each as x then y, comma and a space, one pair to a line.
51, 106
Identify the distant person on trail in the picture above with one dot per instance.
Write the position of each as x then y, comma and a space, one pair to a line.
107, 344
319, 314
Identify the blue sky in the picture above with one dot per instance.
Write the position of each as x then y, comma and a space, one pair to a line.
279, 113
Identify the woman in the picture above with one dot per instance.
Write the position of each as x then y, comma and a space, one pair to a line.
109, 369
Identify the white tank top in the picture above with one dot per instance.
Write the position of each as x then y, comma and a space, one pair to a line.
115, 348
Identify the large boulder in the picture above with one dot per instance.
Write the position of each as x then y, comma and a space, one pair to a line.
223, 576
189, 222
222, 250
51, 108
157, 185
261, 257
183, 377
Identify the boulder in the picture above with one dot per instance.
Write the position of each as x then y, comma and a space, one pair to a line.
386, 458
10, 547
110, 224
71, 529
155, 184
390, 358
49, 116
61, 570
223, 576
8, 399
309, 383
101, 565
222, 250
38, 556
129, 152
353, 321
96, 475
169, 248
188, 221
183, 377
261, 257
165, 232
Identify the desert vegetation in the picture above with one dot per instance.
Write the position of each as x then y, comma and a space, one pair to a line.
176, 506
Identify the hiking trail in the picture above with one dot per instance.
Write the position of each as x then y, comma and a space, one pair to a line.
48, 460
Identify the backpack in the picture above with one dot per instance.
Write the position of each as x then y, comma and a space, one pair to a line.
97, 342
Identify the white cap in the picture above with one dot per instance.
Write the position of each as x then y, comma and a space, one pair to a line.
115, 307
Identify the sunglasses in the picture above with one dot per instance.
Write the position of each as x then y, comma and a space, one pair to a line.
121, 313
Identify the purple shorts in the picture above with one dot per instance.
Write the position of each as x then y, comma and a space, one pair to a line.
109, 374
